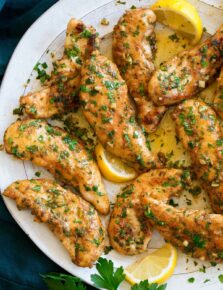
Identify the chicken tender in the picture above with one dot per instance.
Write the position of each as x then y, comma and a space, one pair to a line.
188, 72
108, 110
133, 50
143, 206
73, 220
199, 130
195, 232
218, 99
61, 154
49, 102
61, 91
129, 230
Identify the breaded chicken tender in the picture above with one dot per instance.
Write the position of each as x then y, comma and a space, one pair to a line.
133, 48
60, 93
195, 232
73, 220
129, 230
111, 114
61, 154
187, 73
199, 130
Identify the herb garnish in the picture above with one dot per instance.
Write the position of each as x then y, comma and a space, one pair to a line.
220, 278
40, 68
109, 278
191, 280
62, 282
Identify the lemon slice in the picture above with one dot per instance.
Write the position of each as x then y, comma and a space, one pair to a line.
157, 267
181, 16
112, 168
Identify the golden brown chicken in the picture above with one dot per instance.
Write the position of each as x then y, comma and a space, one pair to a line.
61, 91
195, 232
73, 220
108, 110
61, 154
143, 205
133, 50
218, 99
187, 73
129, 230
199, 130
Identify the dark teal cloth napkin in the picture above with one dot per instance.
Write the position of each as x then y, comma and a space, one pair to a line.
15, 18
21, 262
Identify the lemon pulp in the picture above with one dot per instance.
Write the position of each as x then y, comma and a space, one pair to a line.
157, 266
112, 168
181, 16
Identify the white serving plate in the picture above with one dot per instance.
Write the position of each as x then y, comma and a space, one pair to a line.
48, 32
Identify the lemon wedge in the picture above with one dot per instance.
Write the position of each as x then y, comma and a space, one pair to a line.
112, 168
157, 267
181, 16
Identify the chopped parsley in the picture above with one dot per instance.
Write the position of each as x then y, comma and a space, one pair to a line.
33, 110
32, 148
95, 189
36, 188
71, 142
198, 241
106, 120
72, 52
50, 130
16, 153
86, 33
220, 278
112, 85
37, 174
107, 249
42, 75
191, 280
18, 111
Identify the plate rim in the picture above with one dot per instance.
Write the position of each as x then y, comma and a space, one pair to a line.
20, 46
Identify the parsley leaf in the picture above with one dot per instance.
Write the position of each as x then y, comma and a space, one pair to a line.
191, 280
144, 285
109, 278
41, 72
62, 282
198, 241
220, 278
19, 110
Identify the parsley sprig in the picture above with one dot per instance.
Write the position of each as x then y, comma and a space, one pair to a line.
57, 281
109, 278
144, 285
